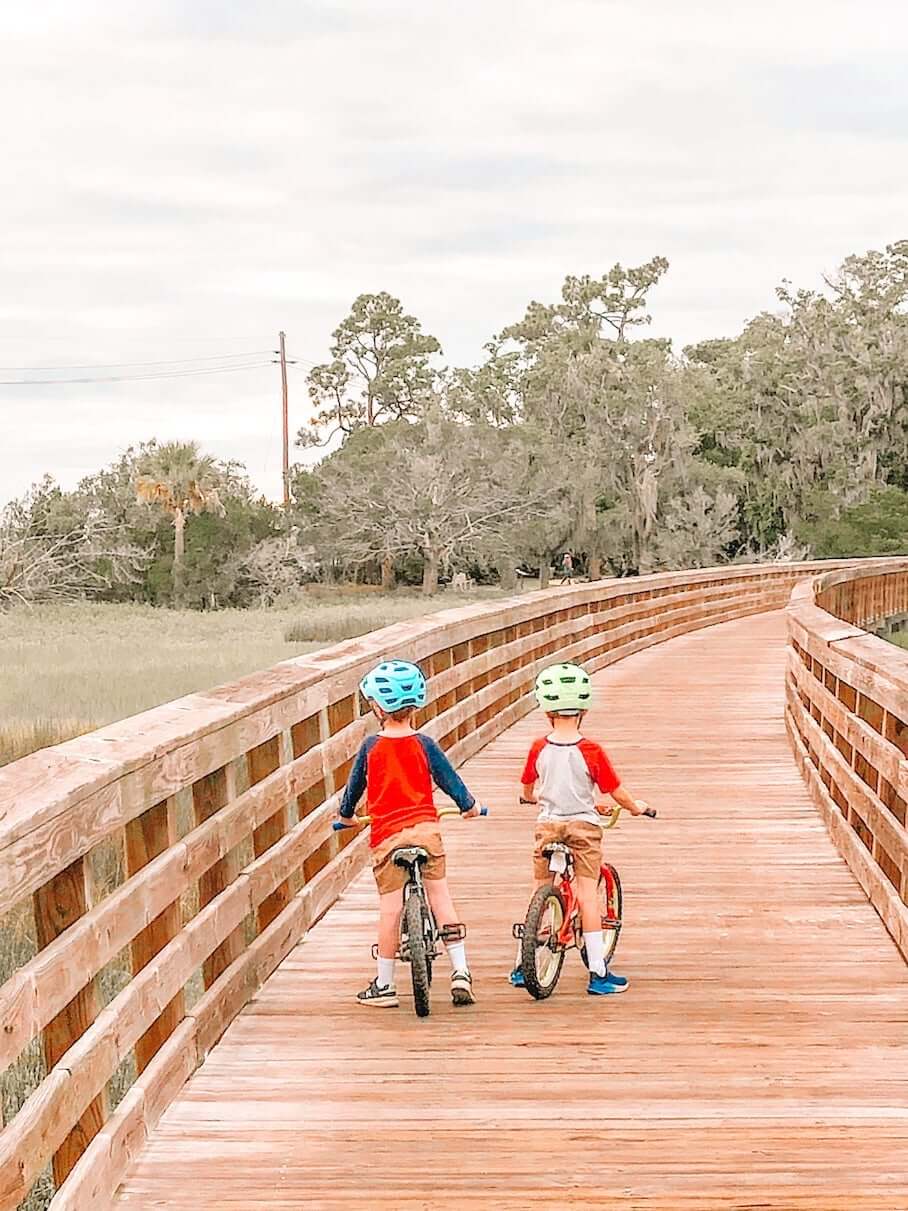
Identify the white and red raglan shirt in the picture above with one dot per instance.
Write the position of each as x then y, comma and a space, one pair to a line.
566, 777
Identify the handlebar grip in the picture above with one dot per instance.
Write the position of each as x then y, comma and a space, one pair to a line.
337, 827
483, 811
651, 812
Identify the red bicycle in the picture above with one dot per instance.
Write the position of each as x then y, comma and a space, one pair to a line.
553, 925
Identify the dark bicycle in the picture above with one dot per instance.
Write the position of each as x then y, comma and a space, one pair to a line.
421, 939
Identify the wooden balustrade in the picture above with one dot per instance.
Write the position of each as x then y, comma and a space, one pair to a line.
847, 717
162, 867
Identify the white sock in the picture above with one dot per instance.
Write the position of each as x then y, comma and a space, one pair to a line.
595, 951
457, 953
385, 978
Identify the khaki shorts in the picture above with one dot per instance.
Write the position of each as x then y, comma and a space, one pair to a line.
388, 876
584, 840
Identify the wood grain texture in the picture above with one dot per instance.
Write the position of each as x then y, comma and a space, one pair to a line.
58, 906
757, 1060
847, 710
147, 837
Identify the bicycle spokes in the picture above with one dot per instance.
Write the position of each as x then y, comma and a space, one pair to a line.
547, 945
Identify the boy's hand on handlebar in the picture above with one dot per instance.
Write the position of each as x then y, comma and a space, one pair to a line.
473, 813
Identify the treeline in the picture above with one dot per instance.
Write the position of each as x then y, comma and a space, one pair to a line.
575, 432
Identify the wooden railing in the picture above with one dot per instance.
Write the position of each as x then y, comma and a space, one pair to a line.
847, 716
158, 870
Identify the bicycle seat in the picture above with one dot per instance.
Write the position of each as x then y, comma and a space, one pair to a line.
411, 855
556, 847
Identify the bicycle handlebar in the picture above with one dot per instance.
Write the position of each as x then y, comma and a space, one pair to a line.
338, 826
616, 811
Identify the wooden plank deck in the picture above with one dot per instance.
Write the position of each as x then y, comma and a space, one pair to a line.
758, 1060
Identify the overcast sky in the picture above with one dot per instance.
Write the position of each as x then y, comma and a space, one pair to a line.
181, 180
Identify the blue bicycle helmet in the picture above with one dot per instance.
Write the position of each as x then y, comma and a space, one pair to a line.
394, 685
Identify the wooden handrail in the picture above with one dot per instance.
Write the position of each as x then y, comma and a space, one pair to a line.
218, 806
847, 718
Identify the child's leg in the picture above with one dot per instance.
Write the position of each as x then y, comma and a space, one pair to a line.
446, 914
592, 924
389, 907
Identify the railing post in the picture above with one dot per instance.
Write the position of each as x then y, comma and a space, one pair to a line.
209, 794
262, 761
58, 905
147, 836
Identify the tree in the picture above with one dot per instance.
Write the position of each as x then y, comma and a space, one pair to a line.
439, 487
612, 423
275, 568
589, 309
812, 401
696, 530
44, 559
877, 526
176, 478
379, 370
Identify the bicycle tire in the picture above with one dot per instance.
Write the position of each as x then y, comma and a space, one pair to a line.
541, 984
608, 893
414, 918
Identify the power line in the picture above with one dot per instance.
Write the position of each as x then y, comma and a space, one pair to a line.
170, 361
132, 378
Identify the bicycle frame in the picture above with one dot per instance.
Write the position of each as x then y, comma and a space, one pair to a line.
567, 935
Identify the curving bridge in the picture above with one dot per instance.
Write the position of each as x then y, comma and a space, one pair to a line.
181, 1012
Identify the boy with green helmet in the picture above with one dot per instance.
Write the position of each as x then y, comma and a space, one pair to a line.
562, 773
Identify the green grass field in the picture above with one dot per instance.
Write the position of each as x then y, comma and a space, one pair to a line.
69, 669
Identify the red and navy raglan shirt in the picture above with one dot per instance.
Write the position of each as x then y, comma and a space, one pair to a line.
397, 773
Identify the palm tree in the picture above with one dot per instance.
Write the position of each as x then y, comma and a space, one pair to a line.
181, 480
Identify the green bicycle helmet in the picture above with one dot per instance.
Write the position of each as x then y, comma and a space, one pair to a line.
564, 689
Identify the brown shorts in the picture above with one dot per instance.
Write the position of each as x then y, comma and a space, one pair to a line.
584, 840
388, 876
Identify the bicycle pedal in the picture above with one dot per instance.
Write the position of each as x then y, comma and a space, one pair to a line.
517, 930
453, 933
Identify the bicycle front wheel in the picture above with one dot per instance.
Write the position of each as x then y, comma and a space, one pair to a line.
414, 924
541, 952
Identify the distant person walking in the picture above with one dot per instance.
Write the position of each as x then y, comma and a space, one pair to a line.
567, 568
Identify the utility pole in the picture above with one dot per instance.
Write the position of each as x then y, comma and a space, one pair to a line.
286, 461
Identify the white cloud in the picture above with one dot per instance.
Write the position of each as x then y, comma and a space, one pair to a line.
184, 180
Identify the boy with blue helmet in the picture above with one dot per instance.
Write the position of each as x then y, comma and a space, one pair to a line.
397, 769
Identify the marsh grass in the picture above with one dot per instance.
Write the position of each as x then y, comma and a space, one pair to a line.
331, 622
67, 669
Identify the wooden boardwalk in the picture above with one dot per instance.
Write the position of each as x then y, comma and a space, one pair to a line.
758, 1060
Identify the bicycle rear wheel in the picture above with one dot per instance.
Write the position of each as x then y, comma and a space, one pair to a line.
414, 925
541, 953
608, 895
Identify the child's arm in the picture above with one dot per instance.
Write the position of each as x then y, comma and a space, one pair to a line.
530, 775
625, 800
356, 783
603, 774
446, 777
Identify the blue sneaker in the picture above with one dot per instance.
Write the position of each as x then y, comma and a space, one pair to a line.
604, 986
516, 978
614, 978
